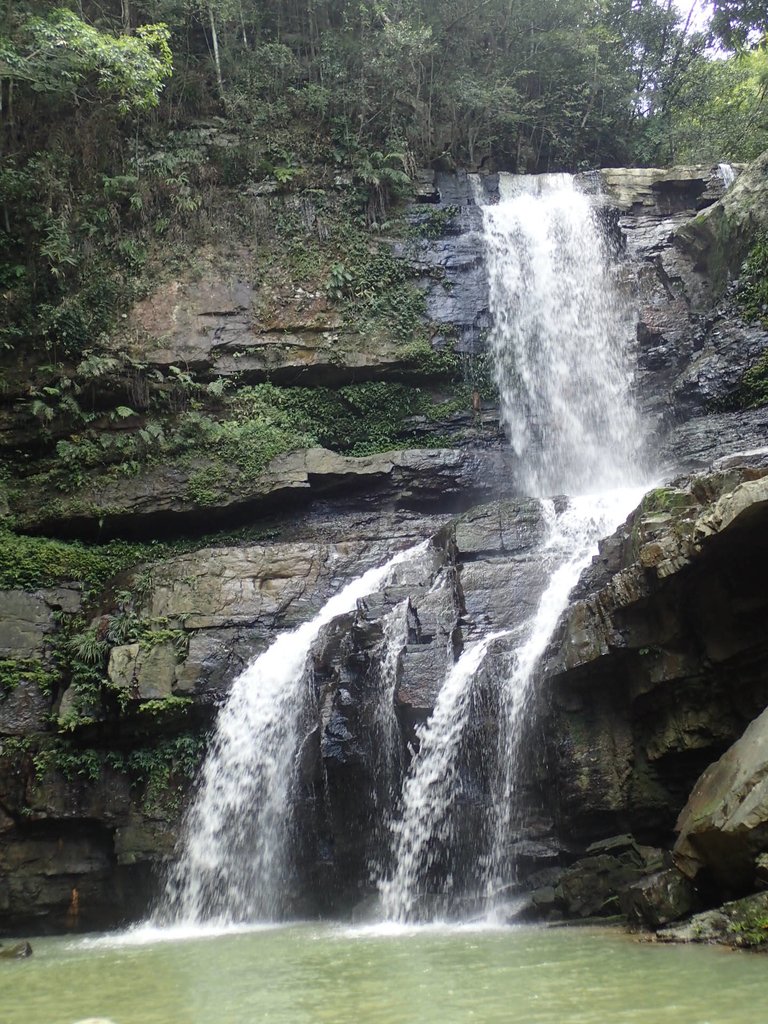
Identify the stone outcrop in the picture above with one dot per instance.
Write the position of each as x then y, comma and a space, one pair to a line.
723, 829
718, 239
161, 499
655, 668
693, 347
742, 924
655, 671
222, 321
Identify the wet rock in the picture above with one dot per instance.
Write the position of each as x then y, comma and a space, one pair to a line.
24, 709
214, 658
501, 528
423, 672
592, 887
56, 797
225, 324
25, 621
664, 190
661, 898
654, 671
139, 840
717, 240
42, 869
160, 497
699, 443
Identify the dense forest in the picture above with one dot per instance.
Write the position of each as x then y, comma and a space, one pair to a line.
89, 90
103, 184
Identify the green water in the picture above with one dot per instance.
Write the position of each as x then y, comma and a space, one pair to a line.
312, 974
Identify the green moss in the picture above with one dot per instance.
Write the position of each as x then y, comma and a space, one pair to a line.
666, 499
754, 385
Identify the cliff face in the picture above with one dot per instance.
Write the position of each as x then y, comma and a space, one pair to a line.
114, 659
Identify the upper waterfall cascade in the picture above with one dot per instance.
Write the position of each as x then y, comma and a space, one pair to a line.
561, 337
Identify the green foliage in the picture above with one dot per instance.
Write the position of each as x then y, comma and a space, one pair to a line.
25, 670
754, 385
356, 419
752, 295
160, 773
31, 562
433, 222
719, 111
735, 22
750, 930
163, 772
72, 762
60, 53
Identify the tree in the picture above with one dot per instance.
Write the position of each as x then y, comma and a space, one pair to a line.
737, 23
63, 55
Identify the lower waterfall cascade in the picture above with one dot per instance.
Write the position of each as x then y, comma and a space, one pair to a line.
234, 860
561, 356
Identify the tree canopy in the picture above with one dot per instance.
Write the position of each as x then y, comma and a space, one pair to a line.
92, 90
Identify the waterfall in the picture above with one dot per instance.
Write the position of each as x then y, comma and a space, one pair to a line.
430, 790
560, 341
569, 548
727, 175
234, 860
385, 741
561, 351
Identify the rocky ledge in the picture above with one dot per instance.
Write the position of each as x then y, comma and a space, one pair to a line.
653, 702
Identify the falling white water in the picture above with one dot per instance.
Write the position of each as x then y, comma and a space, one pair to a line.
234, 861
560, 345
431, 786
387, 734
568, 550
727, 174
560, 339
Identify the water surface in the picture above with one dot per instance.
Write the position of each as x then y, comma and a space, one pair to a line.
323, 974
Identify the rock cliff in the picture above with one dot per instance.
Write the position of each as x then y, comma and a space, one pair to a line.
113, 661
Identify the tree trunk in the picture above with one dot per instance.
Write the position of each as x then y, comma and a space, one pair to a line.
216, 57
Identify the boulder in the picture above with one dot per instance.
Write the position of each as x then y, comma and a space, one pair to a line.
659, 899
145, 674
723, 828
19, 951
592, 887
